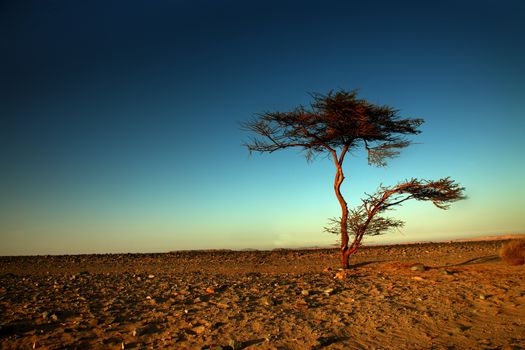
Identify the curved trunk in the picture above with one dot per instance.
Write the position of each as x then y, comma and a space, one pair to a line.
345, 252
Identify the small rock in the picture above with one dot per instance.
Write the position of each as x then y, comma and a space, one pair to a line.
210, 290
462, 328
223, 306
446, 272
53, 318
151, 276
327, 269
418, 267
45, 315
340, 275
199, 329
137, 332
328, 291
267, 301
302, 303
235, 345
305, 292
483, 296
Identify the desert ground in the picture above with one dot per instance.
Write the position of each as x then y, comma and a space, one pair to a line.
420, 296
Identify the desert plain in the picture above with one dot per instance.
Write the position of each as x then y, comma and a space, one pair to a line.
455, 295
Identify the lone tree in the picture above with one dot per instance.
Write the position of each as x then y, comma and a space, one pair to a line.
334, 124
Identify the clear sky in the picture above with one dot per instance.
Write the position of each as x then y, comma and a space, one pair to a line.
119, 119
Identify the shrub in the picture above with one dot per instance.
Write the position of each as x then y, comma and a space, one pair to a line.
513, 252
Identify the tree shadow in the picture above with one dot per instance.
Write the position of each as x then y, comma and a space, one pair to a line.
365, 263
480, 260
19, 327
251, 342
326, 341
237, 345
16, 327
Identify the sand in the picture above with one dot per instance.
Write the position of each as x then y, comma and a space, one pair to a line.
463, 297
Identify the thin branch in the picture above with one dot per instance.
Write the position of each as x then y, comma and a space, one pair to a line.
366, 218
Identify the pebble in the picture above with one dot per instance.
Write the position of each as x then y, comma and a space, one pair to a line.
301, 302
267, 301
340, 274
234, 344
223, 306
328, 291
199, 329
418, 267
462, 328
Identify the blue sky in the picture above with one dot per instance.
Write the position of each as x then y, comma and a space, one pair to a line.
120, 120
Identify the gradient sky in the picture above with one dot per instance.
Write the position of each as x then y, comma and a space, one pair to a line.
120, 119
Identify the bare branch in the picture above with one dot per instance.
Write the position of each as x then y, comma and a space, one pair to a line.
366, 219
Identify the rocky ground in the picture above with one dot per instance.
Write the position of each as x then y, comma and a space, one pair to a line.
422, 296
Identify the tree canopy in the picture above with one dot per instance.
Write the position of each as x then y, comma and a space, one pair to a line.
335, 121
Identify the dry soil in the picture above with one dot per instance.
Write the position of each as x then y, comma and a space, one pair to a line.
421, 296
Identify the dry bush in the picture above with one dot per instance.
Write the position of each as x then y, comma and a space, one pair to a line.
513, 252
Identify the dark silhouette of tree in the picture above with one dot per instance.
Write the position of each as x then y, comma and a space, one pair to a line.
368, 219
335, 124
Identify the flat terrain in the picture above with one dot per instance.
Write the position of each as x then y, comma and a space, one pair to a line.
464, 298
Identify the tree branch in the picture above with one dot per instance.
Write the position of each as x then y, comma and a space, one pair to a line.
366, 218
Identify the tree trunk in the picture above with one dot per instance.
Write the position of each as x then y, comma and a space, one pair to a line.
339, 177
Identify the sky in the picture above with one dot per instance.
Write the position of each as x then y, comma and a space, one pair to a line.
120, 119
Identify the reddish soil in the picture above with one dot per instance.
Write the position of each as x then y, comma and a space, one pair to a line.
464, 297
